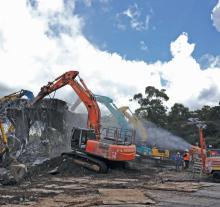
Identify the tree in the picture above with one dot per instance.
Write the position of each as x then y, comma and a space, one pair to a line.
179, 113
151, 105
153, 109
177, 119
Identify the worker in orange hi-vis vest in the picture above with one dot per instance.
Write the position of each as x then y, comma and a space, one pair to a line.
186, 158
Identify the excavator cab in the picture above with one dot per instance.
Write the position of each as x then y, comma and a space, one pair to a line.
80, 137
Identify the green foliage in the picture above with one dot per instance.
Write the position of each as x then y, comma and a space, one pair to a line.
151, 105
175, 120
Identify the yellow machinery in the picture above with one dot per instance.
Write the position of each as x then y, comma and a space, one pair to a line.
134, 121
144, 150
160, 154
3, 135
4, 140
18, 94
8, 98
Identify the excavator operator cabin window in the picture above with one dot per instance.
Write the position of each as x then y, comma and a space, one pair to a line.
91, 135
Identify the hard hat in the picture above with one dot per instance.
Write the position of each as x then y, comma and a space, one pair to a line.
186, 150
178, 153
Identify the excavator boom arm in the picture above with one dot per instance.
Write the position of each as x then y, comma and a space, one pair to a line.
83, 93
118, 115
18, 94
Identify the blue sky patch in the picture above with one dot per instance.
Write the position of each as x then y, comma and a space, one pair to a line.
143, 30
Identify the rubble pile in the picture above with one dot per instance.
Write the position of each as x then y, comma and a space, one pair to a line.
44, 133
57, 165
45, 178
41, 133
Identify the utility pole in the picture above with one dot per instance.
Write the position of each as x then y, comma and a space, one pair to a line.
201, 125
202, 145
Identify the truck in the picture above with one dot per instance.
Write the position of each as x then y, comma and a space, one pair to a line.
208, 157
212, 163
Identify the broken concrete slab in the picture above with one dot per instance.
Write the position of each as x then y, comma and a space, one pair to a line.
3, 171
124, 196
71, 186
67, 201
13, 175
6, 178
54, 171
45, 191
18, 171
40, 161
175, 186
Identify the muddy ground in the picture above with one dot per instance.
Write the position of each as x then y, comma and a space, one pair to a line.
61, 183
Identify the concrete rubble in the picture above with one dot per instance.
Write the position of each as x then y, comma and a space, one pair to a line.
117, 188
39, 176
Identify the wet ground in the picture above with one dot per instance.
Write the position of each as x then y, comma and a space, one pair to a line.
142, 184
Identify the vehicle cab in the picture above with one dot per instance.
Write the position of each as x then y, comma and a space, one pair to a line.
213, 162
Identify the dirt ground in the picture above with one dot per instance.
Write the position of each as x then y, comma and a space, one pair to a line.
142, 184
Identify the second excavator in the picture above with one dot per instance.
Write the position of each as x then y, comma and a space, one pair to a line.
5, 102
90, 147
143, 149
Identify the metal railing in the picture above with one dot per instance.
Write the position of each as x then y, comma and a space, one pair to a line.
118, 136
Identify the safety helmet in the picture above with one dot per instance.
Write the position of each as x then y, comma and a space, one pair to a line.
178, 153
186, 150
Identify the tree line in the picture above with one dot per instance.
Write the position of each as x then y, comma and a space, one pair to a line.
152, 108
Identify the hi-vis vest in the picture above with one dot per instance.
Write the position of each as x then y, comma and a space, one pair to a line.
186, 157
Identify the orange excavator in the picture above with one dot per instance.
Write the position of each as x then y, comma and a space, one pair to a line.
90, 147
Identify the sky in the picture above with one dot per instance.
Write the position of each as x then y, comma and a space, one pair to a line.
119, 47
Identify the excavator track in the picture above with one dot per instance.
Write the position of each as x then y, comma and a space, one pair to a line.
87, 161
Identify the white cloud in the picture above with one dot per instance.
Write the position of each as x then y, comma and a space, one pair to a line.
209, 61
215, 16
34, 58
29, 58
180, 48
2, 40
50, 6
135, 16
186, 80
89, 3
143, 46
